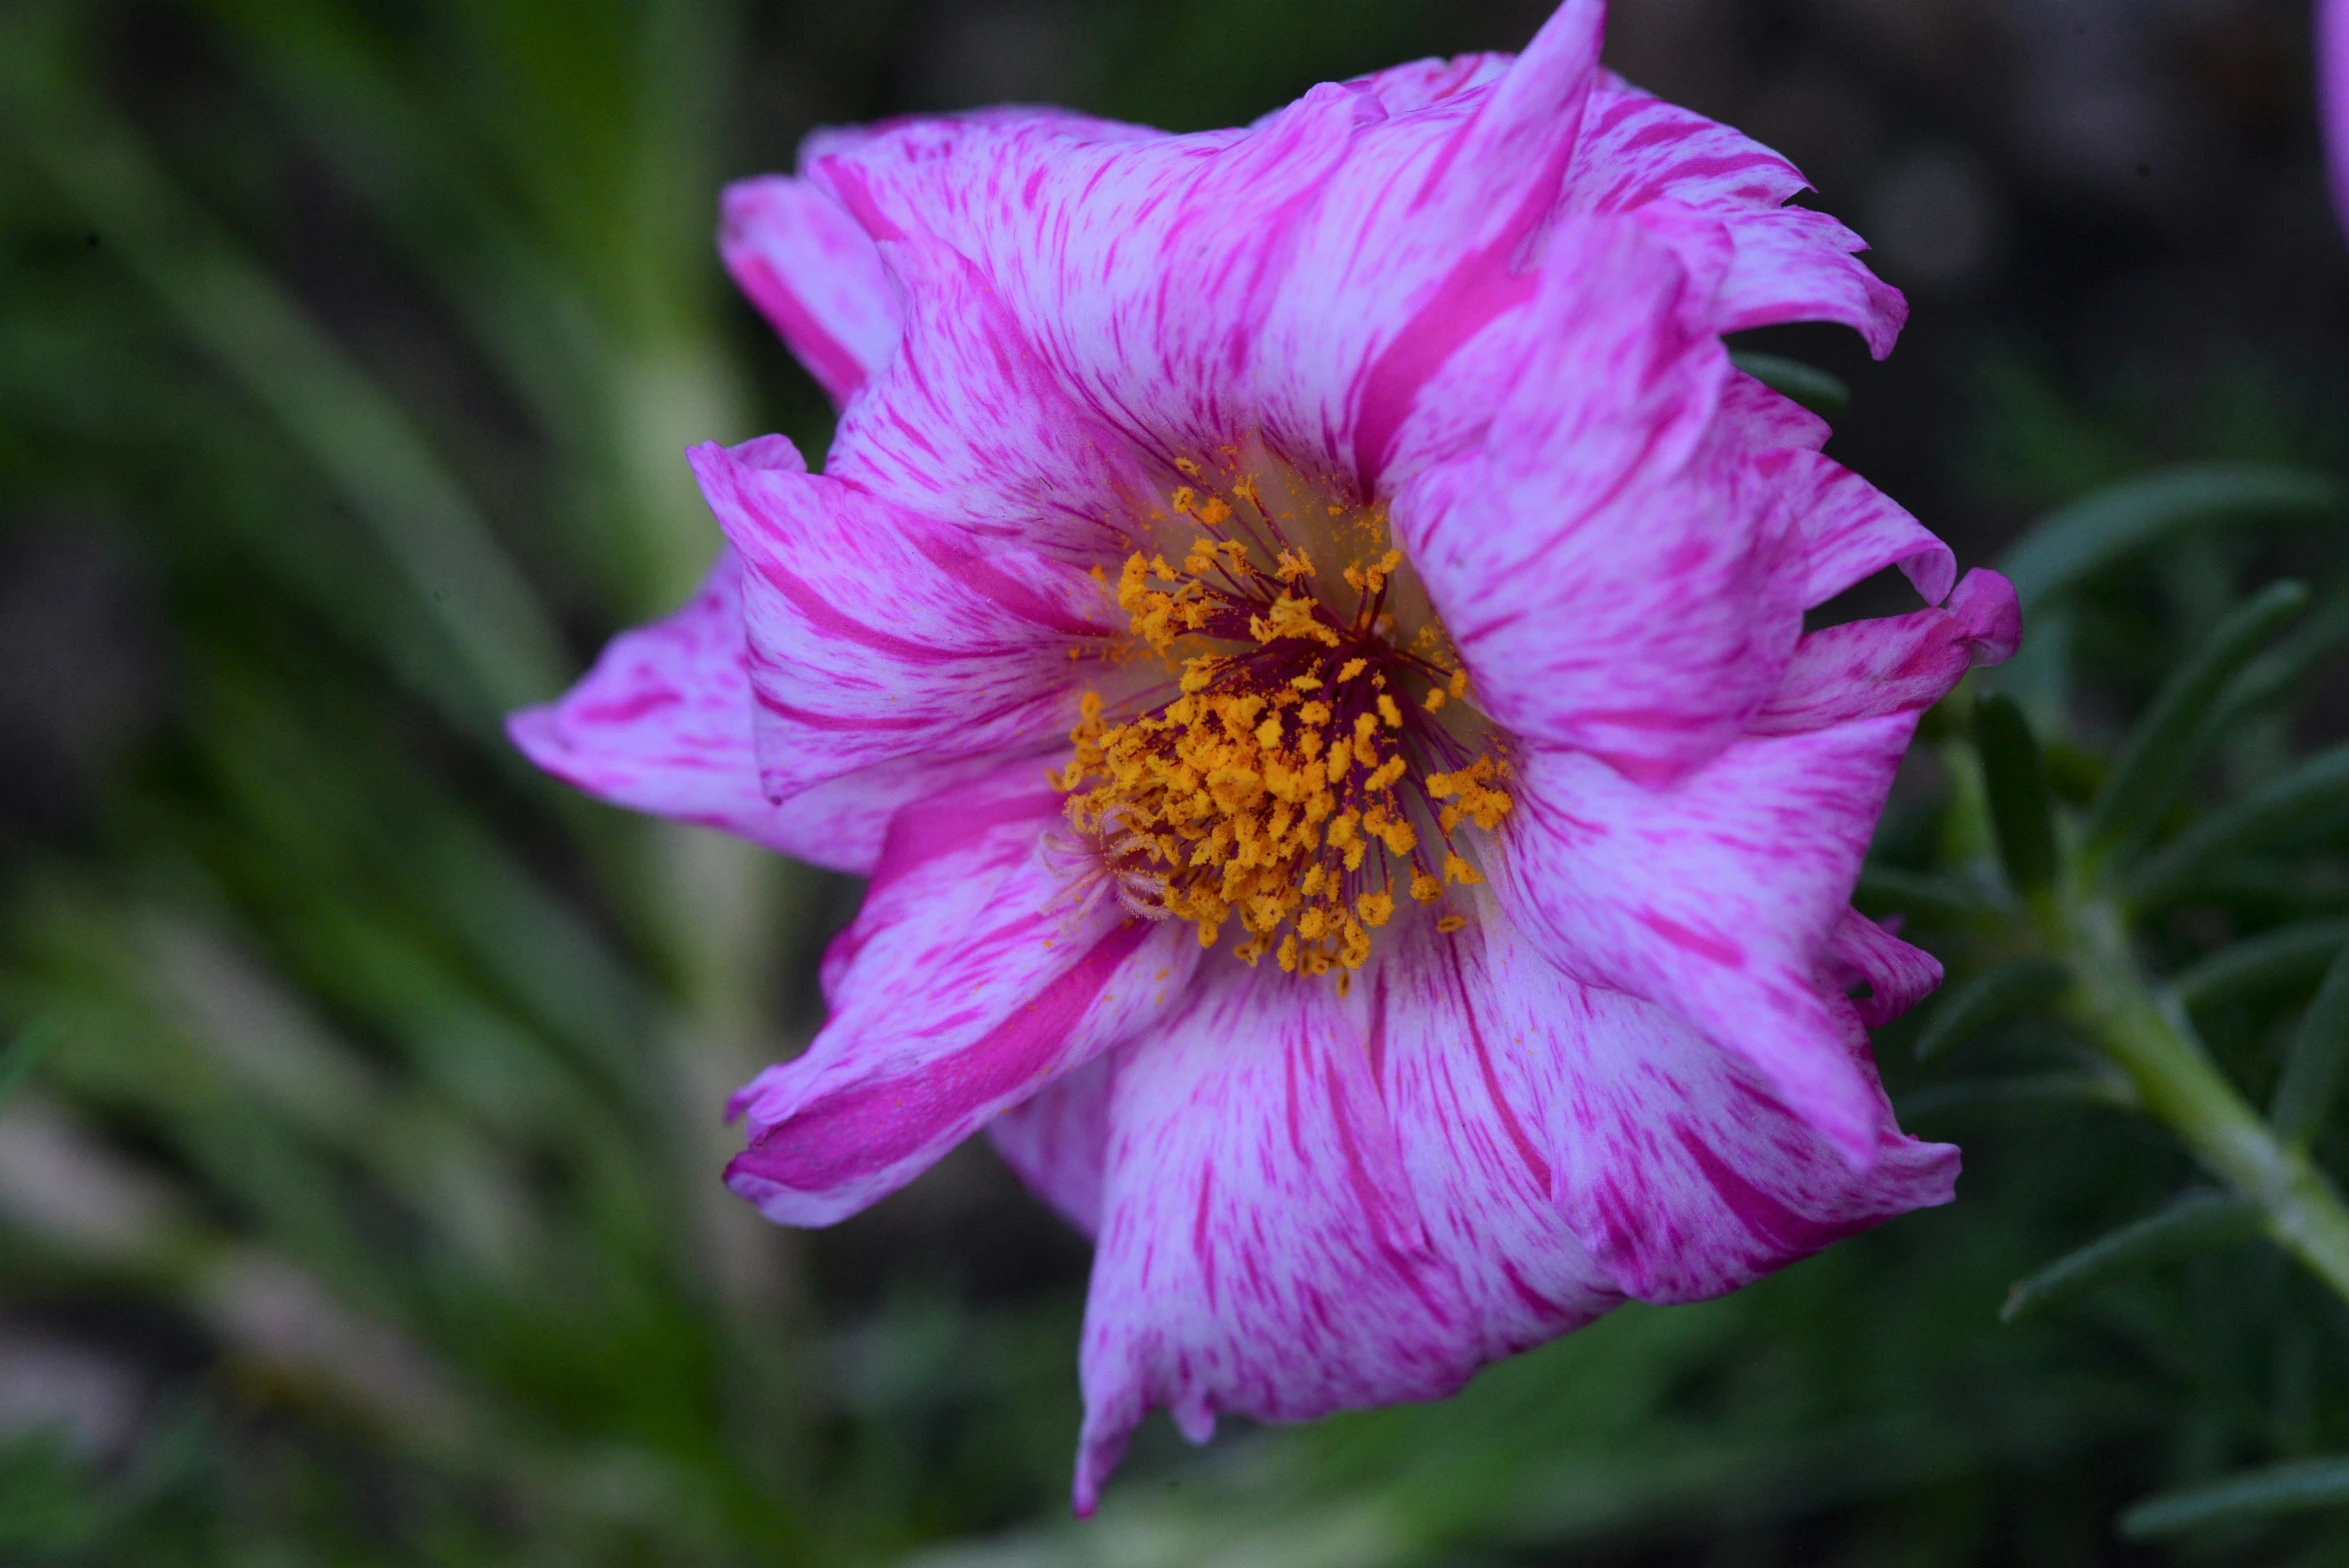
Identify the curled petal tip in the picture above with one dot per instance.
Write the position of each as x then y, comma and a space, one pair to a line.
1991, 614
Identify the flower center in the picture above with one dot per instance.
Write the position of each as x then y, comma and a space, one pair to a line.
1318, 757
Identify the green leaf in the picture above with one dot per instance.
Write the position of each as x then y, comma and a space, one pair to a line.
34, 1041
1921, 894
2018, 793
2312, 1069
2078, 540
1808, 385
2275, 675
2298, 951
2312, 797
2160, 756
2197, 1222
1990, 998
2105, 1087
2292, 1487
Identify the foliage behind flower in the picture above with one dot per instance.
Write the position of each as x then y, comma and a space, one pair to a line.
1442, 930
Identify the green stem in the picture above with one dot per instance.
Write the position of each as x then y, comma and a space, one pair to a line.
2179, 1085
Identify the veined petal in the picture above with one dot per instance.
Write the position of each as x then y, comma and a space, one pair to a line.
1685, 1171
1715, 897
1898, 664
1613, 566
662, 724
1852, 530
974, 976
1259, 1251
812, 272
1791, 263
1897, 975
1417, 84
876, 635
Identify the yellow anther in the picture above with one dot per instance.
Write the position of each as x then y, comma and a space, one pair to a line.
1305, 683
1375, 909
1295, 566
1460, 871
1458, 685
1348, 670
1426, 889
1385, 774
1435, 699
1184, 498
1188, 466
1213, 512
1389, 712
1450, 923
1268, 734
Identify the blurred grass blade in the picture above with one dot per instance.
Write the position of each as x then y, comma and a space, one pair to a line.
2092, 1086
2018, 793
2078, 540
2161, 754
2300, 951
1808, 385
1990, 998
349, 426
2310, 798
34, 1041
2273, 677
1924, 895
2197, 1222
2312, 1071
2292, 1487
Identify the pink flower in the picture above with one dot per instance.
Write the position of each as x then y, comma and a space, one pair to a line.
2332, 96
1303, 628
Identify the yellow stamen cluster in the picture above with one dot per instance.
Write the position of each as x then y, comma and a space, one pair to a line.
1286, 786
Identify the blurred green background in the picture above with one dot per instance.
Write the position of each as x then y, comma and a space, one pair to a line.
364, 1206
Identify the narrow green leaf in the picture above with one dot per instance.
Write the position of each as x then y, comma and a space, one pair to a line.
2275, 675
2310, 798
2197, 1222
2292, 1487
2076, 541
2300, 951
1921, 894
2018, 793
34, 1041
2089, 1087
2161, 754
1808, 385
1990, 998
2312, 1069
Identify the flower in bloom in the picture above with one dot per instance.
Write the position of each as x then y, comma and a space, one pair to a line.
1303, 627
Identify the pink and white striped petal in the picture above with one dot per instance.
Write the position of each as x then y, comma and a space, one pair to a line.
1715, 897
878, 636
1611, 565
1058, 1141
1259, 1252
1896, 664
802, 260
975, 975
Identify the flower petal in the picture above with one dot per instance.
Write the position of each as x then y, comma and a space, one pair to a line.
876, 635
662, 724
1853, 530
1792, 263
1668, 1159
1259, 1250
1613, 567
1897, 975
973, 977
1715, 897
1899, 664
801, 259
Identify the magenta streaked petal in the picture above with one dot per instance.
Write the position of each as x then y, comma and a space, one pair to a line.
969, 423
662, 724
973, 977
1259, 1251
1058, 1140
1792, 263
1460, 1036
1617, 575
1716, 896
876, 635
1687, 1173
1898, 664
2332, 97
1418, 84
1897, 975
1852, 530
802, 260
